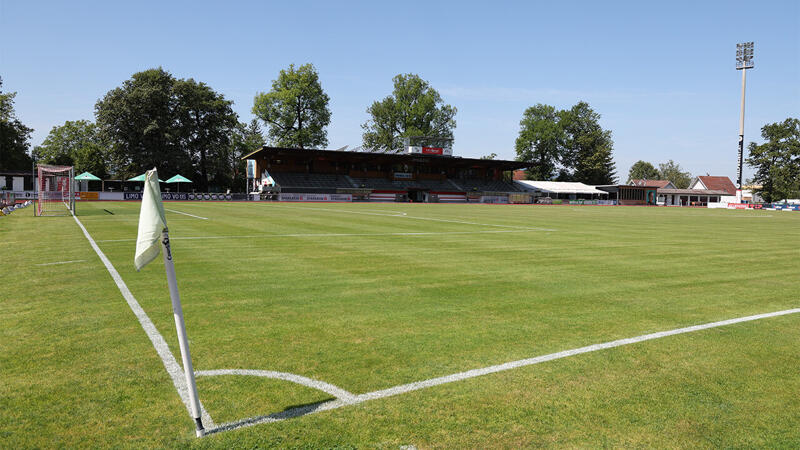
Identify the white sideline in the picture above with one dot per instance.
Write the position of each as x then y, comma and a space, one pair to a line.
185, 214
405, 388
409, 233
173, 368
61, 262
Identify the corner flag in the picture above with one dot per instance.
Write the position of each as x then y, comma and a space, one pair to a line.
151, 222
152, 229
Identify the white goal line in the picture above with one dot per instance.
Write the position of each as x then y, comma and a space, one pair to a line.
351, 399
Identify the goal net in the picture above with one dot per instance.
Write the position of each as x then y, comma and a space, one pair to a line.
55, 191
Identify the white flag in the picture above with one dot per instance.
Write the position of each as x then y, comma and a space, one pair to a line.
152, 222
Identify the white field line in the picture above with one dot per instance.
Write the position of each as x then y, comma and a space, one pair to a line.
186, 214
404, 216
61, 262
410, 387
170, 363
299, 379
313, 235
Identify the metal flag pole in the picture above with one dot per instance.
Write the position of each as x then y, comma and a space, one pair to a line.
183, 341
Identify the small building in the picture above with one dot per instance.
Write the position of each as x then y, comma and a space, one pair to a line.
689, 197
626, 194
716, 183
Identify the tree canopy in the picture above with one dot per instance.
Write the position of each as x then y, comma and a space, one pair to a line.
643, 170
76, 143
14, 135
296, 109
179, 126
413, 109
568, 145
777, 161
673, 172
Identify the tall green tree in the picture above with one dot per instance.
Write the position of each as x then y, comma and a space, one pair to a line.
643, 170
139, 121
14, 135
296, 109
177, 125
541, 141
76, 143
413, 109
587, 146
205, 122
246, 138
777, 161
673, 172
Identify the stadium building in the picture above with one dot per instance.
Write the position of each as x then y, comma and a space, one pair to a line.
421, 173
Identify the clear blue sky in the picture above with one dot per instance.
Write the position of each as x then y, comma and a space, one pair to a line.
661, 74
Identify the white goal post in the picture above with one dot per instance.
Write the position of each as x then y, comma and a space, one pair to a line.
55, 190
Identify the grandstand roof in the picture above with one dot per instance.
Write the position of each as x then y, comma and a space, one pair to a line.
388, 158
559, 187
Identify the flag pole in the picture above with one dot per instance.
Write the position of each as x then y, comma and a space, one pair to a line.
177, 311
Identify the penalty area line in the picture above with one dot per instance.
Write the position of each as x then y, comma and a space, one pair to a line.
415, 386
186, 214
61, 262
174, 370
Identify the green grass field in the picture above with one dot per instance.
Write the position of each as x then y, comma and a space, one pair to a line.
371, 296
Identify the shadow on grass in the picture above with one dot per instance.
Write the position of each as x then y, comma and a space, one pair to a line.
289, 412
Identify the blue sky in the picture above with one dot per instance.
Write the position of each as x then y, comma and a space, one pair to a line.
661, 74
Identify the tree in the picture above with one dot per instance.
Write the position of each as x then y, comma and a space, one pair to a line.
76, 143
541, 141
413, 109
777, 161
205, 123
490, 156
14, 135
587, 147
177, 125
672, 171
245, 139
138, 119
642, 170
296, 109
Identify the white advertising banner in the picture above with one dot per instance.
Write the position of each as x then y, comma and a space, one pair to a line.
292, 197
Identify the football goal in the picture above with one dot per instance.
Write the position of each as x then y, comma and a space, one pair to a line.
55, 191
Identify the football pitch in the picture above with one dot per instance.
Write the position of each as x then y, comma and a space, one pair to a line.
390, 325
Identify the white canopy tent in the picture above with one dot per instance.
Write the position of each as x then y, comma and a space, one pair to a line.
560, 189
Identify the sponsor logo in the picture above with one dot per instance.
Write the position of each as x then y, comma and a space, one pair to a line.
432, 150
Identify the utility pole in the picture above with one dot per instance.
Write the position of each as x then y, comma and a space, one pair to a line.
744, 61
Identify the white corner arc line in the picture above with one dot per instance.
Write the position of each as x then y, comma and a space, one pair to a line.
410, 387
174, 370
186, 214
61, 262
299, 379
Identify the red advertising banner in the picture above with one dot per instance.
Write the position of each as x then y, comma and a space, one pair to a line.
432, 150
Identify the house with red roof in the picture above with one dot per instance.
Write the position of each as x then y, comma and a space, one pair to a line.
714, 183
658, 184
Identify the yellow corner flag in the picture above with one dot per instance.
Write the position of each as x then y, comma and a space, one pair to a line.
151, 222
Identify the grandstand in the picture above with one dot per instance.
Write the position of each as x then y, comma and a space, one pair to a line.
411, 176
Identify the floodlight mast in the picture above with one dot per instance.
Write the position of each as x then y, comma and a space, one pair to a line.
744, 61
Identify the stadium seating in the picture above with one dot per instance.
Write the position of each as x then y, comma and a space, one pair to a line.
486, 186
321, 181
311, 180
